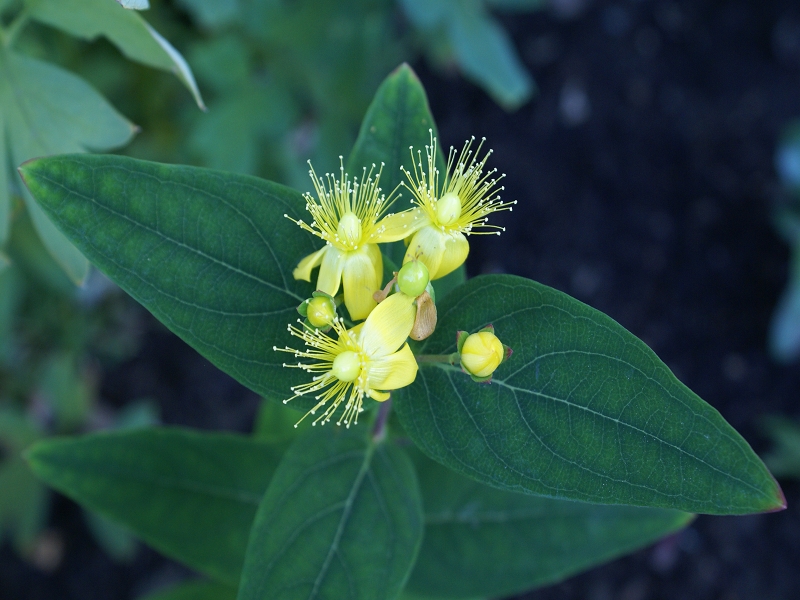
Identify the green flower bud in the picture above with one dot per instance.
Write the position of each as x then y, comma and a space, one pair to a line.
320, 311
413, 278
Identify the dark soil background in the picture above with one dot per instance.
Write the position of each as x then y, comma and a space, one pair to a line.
644, 174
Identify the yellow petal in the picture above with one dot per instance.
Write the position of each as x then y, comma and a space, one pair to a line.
303, 270
379, 396
362, 278
388, 326
428, 246
399, 226
330, 272
456, 249
394, 371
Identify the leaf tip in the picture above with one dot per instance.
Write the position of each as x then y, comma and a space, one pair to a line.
780, 500
404, 69
25, 167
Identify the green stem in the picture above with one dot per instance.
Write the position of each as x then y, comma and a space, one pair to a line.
381, 419
451, 359
9, 36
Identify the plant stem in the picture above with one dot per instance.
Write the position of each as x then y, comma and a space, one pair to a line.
451, 359
379, 428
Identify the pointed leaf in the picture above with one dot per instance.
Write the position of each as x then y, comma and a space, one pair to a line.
398, 117
583, 410
480, 541
192, 496
210, 254
341, 520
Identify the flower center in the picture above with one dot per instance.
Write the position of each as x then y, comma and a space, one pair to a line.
448, 209
347, 366
349, 230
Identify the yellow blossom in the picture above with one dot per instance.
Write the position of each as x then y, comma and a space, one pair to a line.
347, 215
449, 210
367, 360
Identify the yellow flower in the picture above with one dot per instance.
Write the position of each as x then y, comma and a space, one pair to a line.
347, 215
447, 213
366, 360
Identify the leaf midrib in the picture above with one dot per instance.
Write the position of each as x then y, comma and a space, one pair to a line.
449, 369
169, 240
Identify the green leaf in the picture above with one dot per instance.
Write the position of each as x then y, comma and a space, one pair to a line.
192, 496
583, 410
50, 111
126, 29
486, 55
341, 519
195, 590
398, 118
480, 541
210, 254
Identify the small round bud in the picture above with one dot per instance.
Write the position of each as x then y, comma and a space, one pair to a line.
320, 311
413, 278
347, 366
349, 229
448, 209
482, 353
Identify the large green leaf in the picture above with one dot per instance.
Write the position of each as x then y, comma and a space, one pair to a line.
208, 253
583, 410
398, 118
480, 541
341, 520
126, 29
50, 111
192, 496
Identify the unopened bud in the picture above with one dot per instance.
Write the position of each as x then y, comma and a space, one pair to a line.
481, 353
413, 278
319, 310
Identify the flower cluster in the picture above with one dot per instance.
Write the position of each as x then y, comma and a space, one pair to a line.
349, 361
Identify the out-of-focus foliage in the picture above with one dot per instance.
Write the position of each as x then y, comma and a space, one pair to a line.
288, 81
784, 459
54, 336
784, 334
